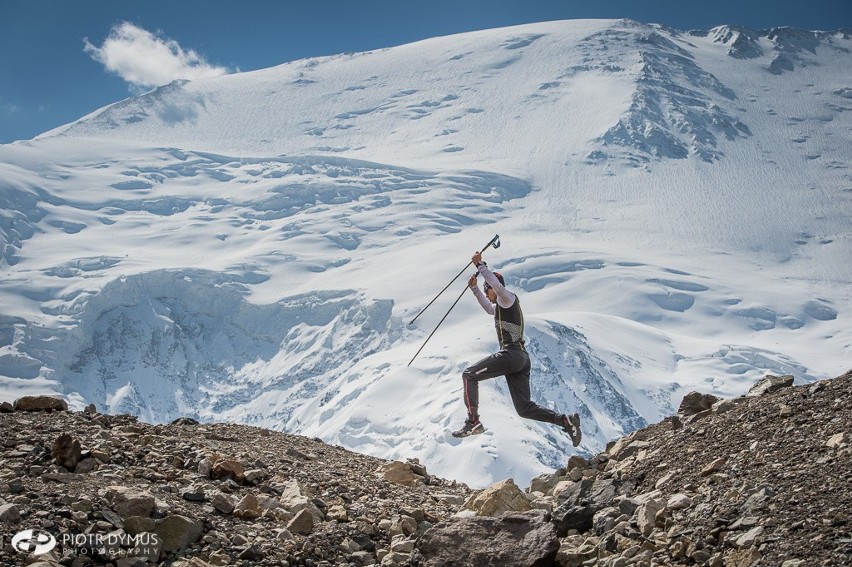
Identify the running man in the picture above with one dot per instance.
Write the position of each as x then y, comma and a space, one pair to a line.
512, 361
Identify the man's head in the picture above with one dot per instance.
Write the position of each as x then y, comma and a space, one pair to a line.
489, 291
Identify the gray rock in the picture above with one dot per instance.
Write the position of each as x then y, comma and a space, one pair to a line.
679, 501
85, 466
750, 538
205, 467
223, 503
6, 407
251, 553
194, 494
646, 516
302, 523
10, 514
177, 532
579, 503
128, 502
570, 517
510, 540
770, 384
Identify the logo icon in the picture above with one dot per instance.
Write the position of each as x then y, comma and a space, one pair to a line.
36, 542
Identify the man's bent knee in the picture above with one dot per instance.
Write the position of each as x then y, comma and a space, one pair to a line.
469, 373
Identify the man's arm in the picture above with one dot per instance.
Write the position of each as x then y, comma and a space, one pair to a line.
483, 301
505, 298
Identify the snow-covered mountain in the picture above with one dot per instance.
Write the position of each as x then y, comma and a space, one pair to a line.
674, 210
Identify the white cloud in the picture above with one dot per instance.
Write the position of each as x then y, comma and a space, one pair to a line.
146, 60
8, 107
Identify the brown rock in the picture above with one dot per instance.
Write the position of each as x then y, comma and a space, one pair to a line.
66, 451
228, 468
400, 473
248, 508
40, 403
696, 402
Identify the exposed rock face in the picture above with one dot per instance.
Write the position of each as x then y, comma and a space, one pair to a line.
731, 487
757, 480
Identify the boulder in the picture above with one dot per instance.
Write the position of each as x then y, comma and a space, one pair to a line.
715, 466
579, 503
696, 402
646, 515
224, 469
579, 517
679, 501
128, 502
838, 441
770, 384
176, 533
185, 421
40, 403
66, 451
545, 483
627, 447
509, 540
503, 496
400, 473
248, 508
302, 523
9, 514
223, 503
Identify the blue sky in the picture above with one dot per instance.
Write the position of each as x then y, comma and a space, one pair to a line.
57, 64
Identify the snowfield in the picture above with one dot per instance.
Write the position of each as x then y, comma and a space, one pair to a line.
674, 210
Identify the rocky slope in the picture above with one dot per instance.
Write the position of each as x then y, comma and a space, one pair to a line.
760, 480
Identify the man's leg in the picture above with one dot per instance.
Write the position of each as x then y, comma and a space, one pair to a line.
489, 367
519, 388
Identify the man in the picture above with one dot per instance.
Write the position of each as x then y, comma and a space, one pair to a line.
512, 361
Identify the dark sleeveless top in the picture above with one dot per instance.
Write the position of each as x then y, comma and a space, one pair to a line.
509, 322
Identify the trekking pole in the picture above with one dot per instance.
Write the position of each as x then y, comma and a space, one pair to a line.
494, 241
439, 323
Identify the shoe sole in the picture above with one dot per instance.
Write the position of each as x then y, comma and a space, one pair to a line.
475, 431
575, 421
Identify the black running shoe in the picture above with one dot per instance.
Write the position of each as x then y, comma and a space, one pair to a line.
470, 428
571, 426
